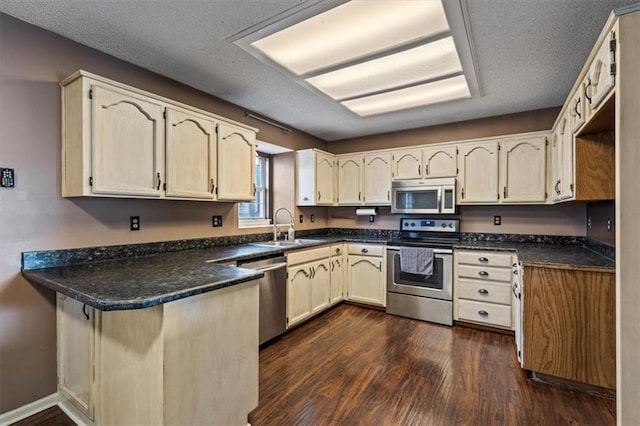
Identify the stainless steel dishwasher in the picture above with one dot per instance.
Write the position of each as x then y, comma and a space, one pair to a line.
273, 295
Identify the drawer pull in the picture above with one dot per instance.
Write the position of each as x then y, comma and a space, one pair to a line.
483, 313
364, 250
483, 291
483, 273
483, 259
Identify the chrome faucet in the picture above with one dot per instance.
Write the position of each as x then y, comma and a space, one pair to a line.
275, 221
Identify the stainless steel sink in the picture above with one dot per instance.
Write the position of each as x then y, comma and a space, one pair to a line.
293, 243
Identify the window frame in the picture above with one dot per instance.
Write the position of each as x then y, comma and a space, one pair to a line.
267, 179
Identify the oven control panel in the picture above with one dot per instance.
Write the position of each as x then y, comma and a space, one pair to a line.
429, 225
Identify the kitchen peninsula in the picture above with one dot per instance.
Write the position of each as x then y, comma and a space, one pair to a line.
152, 340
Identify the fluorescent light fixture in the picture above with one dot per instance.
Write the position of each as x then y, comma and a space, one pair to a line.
420, 64
352, 31
410, 97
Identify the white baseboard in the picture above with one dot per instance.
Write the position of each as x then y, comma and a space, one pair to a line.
72, 412
28, 410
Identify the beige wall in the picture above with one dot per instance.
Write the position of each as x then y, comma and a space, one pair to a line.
33, 216
493, 126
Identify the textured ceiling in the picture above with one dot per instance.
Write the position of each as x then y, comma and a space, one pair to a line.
529, 53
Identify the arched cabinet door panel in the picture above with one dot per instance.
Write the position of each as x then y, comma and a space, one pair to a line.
478, 173
236, 163
523, 170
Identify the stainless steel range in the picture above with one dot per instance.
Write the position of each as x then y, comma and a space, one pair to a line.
422, 286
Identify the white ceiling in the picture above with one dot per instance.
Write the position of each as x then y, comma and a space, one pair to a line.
529, 53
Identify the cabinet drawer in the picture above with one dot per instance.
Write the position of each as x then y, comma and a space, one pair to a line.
302, 256
484, 258
336, 249
484, 292
485, 273
366, 249
486, 313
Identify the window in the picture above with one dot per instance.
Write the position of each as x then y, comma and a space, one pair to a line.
256, 213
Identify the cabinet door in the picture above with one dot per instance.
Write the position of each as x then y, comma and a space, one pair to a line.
440, 162
236, 163
407, 164
337, 278
320, 285
325, 173
478, 173
523, 170
576, 110
350, 180
127, 144
562, 161
76, 355
190, 155
601, 74
366, 283
298, 297
377, 179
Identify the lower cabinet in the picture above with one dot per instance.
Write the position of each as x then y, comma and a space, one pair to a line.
190, 361
570, 324
483, 288
366, 274
337, 280
308, 283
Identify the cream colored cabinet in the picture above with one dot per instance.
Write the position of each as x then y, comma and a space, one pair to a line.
127, 143
523, 170
119, 141
308, 283
602, 74
366, 273
337, 273
406, 164
377, 179
482, 288
320, 288
562, 161
190, 155
440, 161
350, 175
316, 178
478, 173
76, 353
236, 163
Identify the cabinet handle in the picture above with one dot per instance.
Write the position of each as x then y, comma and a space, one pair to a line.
319, 195
483, 259
557, 187
462, 193
483, 313
575, 108
380, 267
483, 291
419, 168
312, 272
513, 290
254, 189
504, 192
586, 91
338, 262
213, 185
388, 195
359, 196
364, 250
158, 177
426, 170
333, 266
483, 273
84, 311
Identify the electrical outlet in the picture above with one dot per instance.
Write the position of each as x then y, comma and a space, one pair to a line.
371, 218
134, 223
609, 224
312, 218
301, 218
497, 220
7, 177
216, 221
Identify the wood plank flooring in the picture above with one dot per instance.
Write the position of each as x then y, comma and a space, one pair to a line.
357, 366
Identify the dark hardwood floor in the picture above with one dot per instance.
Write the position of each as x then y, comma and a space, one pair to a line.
357, 366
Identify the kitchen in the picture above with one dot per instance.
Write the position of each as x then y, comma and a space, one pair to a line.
36, 61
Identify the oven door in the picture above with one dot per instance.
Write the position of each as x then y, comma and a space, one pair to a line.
439, 285
412, 199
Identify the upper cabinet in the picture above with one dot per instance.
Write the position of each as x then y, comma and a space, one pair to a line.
522, 165
602, 74
190, 155
350, 175
562, 161
478, 173
316, 178
440, 161
236, 163
377, 179
407, 164
118, 141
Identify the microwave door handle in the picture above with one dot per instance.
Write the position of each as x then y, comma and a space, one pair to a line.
439, 199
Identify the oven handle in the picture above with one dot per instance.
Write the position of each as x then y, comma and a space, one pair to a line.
440, 199
435, 251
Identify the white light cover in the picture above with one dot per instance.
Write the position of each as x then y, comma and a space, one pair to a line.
415, 96
351, 31
421, 63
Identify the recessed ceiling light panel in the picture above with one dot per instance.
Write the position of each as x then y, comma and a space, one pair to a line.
353, 30
425, 94
420, 64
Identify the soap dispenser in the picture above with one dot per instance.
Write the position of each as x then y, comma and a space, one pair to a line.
291, 233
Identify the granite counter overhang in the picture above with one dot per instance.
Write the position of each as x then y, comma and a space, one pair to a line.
141, 282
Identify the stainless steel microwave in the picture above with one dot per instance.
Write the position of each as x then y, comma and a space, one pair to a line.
428, 196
